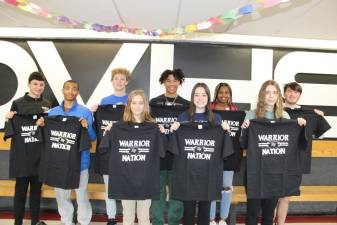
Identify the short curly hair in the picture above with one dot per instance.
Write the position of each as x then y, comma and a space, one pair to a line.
177, 73
121, 70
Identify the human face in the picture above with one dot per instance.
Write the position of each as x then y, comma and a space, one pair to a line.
291, 96
137, 106
271, 95
36, 88
171, 85
223, 95
70, 91
200, 99
119, 82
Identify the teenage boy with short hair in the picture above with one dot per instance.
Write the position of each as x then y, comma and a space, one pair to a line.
24, 162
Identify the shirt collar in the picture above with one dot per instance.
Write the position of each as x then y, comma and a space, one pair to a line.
72, 108
31, 98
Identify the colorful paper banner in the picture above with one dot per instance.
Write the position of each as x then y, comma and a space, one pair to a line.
228, 16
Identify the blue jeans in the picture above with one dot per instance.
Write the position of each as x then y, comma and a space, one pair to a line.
226, 197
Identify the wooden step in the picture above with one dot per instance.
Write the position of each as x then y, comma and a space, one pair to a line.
96, 192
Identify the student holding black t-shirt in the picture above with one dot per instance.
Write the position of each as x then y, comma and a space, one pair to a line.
70, 107
223, 102
111, 107
316, 125
199, 111
135, 146
269, 106
25, 155
165, 109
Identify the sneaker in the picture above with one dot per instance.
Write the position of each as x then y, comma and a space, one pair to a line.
222, 222
40, 223
112, 222
212, 222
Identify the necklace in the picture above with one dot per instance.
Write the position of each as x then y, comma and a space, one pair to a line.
168, 103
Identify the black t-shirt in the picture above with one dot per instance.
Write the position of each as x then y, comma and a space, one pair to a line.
199, 150
105, 115
64, 138
165, 111
273, 157
234, 120
135, 151
316, 125
25, 148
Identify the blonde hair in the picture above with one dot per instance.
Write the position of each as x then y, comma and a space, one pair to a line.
121, 70
261, 103
145, 116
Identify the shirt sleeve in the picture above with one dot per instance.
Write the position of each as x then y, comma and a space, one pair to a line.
244, 138
103, 101
14, 107
322, 126
218, 119
39, 135
173, 145
55, 111
250, 115
227, 145
303, 139
95, 124
234, 108
183, 117
161, 143
286, 115
9, 129
105, 144
85, 143
91, 131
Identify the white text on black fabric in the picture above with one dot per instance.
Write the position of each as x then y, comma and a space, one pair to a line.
234, 127
27, 132
62, 140
162, 120
106, 123
199, 148
134, 150
166, 122
273, 144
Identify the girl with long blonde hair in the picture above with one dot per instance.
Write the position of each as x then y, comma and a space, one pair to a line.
137, 116
137, 108
270, 100
270, 106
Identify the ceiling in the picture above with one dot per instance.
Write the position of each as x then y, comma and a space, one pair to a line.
313, 19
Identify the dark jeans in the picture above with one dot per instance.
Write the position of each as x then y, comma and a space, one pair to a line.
21, 187
253, 210
203, 212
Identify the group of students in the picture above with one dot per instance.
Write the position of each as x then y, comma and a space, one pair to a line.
166, 154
